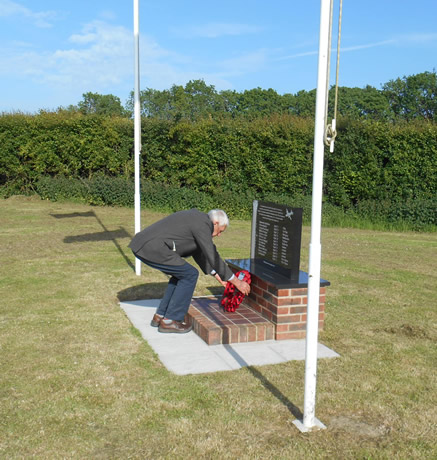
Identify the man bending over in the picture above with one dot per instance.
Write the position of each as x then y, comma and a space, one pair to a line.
166, 243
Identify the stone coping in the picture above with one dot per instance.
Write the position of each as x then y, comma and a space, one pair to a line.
260, 269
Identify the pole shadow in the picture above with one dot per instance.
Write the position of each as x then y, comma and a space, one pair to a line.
105, 235
294, 410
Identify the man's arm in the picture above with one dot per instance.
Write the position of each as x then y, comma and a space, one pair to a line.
242, 286
203, 237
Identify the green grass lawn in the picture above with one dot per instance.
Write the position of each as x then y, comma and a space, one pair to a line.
78, 381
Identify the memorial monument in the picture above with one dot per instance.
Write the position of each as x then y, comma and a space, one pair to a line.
276, 307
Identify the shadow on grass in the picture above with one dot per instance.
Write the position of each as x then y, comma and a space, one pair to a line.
142, 292
266, 383
215, 290
276, 393
154, 291
105, 235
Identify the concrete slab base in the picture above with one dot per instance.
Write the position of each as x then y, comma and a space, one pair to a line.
185, 354
318, 425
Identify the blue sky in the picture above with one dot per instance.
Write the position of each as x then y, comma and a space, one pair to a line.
52, 52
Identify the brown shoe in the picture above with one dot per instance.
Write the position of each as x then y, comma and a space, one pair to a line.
176, 327
156, 320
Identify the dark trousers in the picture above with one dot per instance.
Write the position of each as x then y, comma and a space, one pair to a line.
177, 297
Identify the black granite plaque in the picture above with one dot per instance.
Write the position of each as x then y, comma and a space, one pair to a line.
276, 238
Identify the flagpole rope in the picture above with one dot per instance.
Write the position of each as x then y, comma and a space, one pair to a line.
330, 129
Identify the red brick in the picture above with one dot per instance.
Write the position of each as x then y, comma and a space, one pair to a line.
261, 333
267, 296
301, 291
251, 334
272, 308
294, 310
281, 327
282, 310
322, 299
322, 307
322, 290
262, 302
304, 300
297, 327
202, 333
243, 334
264, 313
276, 300
256, 290
252, 296
269, 332
235, 334
290, 335
288, 319
226, 335
248, 301
262, 284
214, 337
284, 301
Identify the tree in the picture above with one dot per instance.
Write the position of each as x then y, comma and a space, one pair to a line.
195, 101
367, 102
413, 97
230, 101
258, 102
304, 104
108, 104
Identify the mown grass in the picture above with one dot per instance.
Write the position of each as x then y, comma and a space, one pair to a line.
78, 381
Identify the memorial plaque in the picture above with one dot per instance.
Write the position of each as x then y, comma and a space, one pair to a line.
276, 238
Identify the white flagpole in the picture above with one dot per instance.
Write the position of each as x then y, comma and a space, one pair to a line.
137, 124
309, 420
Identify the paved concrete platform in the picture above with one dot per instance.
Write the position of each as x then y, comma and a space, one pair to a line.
185, 354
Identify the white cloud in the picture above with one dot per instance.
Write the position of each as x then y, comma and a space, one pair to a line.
101, 59
334, 50
247, 63
41, 19
215, 30
421, 38
368, 45
103, 56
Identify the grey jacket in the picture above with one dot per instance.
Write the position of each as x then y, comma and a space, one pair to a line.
182, 234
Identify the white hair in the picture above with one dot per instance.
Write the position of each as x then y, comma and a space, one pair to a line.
218, 215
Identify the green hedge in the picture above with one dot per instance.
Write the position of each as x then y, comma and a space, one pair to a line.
382, 161
373, 162
103, 190
71, 145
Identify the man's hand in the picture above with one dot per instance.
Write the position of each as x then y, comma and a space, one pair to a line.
242, 286
217, 277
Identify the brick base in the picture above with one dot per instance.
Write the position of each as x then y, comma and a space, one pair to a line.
215, 326
269, 312
286, 308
